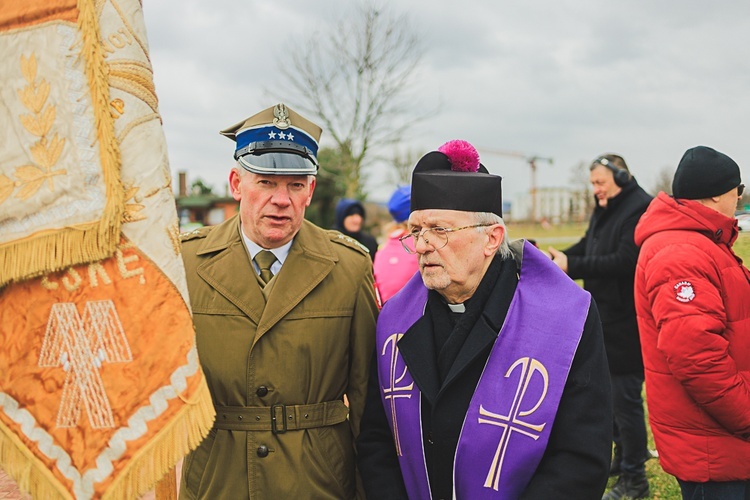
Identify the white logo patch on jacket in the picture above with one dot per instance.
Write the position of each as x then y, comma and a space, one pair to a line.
684, 291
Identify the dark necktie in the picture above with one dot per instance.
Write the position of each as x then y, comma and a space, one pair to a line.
265, 260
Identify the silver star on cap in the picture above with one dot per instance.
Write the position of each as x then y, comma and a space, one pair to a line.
282, 135
272, 135
289, 136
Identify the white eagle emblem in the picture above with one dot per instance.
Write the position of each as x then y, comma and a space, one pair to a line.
281, 117
684, 291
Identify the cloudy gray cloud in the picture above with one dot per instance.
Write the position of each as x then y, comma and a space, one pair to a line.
568, 80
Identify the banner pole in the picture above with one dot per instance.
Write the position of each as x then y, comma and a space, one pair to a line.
166, 488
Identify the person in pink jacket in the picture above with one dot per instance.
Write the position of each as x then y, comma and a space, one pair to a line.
692, 298
393, 266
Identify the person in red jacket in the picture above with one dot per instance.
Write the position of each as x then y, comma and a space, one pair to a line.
692, 297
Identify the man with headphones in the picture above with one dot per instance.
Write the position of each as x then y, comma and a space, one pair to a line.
605, 260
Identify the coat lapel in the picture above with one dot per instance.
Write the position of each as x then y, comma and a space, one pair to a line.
311, 258
417, 347
225, 270
481, 336
484, 332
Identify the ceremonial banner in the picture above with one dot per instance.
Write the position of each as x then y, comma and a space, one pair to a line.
101, 391
61, 201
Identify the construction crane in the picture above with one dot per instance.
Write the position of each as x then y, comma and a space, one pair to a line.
531, 160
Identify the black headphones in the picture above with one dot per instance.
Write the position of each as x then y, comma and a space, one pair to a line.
622, 176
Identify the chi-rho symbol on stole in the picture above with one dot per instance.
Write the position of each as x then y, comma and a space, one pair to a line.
515, 421
394, 391
80, 345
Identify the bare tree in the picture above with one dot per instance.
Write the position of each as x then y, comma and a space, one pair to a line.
664, 180
402, 164
358, 79
329, 188
582, 195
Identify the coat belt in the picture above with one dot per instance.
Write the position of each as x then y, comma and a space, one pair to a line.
280, 418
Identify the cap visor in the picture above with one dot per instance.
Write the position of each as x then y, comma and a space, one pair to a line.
276, 163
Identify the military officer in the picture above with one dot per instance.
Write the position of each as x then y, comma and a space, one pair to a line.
284, 315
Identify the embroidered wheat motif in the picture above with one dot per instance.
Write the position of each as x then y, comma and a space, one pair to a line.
47, 150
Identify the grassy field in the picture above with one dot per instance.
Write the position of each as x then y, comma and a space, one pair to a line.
561, 236
663, 485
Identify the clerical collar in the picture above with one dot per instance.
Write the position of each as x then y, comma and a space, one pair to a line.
457, 308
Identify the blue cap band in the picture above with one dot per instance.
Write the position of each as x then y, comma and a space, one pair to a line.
271, 133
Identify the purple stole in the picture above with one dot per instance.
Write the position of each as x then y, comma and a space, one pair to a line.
507, 425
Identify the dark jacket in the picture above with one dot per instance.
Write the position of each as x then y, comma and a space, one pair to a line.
605, 259
693, 303
346, 207
576, 462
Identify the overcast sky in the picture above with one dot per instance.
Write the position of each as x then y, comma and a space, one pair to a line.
568, 80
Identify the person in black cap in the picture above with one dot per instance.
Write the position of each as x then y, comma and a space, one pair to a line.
692, 296
490, 376
605, 259
284, 315
350, 220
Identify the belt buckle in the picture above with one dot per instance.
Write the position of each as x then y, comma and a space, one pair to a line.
274, 427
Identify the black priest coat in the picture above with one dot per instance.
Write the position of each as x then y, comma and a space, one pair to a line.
576, 462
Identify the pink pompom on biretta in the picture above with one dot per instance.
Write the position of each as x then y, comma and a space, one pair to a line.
463, 156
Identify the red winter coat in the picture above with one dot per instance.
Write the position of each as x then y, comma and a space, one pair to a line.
692, 297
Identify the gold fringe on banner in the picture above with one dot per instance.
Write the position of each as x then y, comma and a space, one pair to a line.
30, 474
183, 434
163, 451
55, 250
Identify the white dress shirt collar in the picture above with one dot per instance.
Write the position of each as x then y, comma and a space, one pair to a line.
280, 253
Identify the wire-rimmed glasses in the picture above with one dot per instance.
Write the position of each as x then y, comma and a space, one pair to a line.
437, 237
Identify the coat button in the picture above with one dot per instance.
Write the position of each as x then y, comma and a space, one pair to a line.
429, 438
262, 391
262, 451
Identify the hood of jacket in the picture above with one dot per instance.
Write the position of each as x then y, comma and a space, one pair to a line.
344, 208
669, 214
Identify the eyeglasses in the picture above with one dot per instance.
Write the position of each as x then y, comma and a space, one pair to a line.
740, 189
438, 237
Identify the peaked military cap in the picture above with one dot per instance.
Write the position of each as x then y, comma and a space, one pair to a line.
276, 141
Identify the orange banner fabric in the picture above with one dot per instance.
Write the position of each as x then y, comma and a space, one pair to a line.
100, 387
29, 12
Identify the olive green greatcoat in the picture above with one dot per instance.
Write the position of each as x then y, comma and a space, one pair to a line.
311, 343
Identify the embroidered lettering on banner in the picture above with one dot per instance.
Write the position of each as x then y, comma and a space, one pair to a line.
514, 420
394, 391
72, 280
80, 345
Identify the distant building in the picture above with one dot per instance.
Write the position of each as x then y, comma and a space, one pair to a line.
196, 210
553, 204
